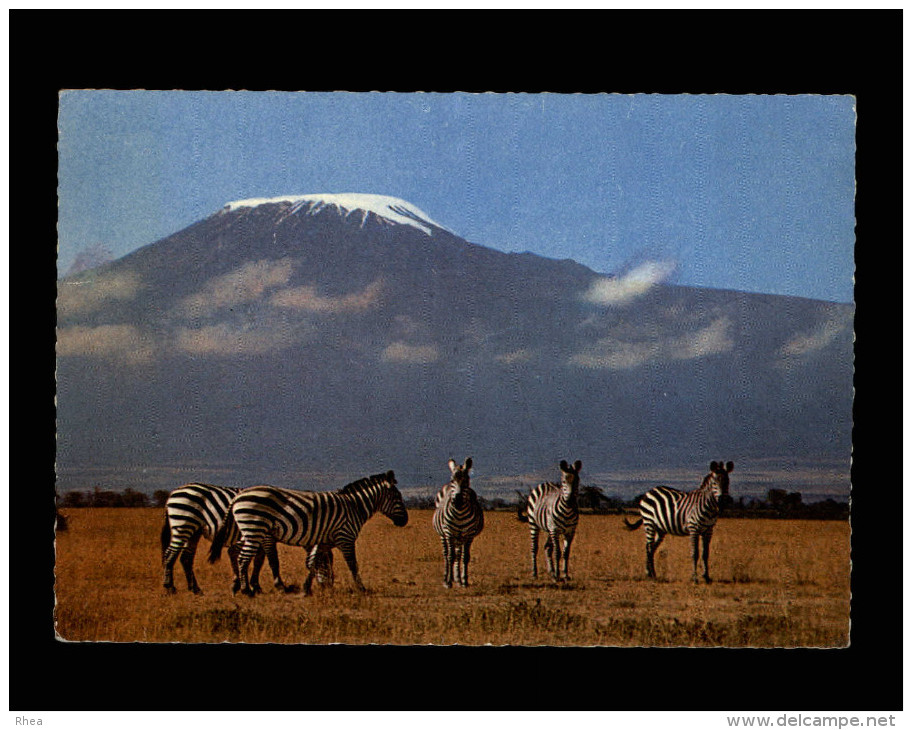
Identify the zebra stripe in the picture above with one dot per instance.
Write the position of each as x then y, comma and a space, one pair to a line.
198, 510
667, 511
317, 521
552, 508
458, 519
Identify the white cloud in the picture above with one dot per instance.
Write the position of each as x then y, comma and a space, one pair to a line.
246, 283
614, 291
516, 357
119, 342
307, 299
805, 343
414, 354
90, 294
226, 339
614, 354
713, 339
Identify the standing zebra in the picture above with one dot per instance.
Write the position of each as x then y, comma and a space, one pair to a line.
198, 510
670, 511
317, 521
458, 519
553, 509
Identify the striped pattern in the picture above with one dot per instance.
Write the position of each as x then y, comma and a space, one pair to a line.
667, 511
552, 508
458, 519
198, 510
317, 521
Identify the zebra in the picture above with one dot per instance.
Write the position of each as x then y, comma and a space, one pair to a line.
670, 511
198, 510
553, 509
318, 521
458, 519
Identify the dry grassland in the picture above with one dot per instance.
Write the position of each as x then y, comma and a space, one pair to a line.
777, 583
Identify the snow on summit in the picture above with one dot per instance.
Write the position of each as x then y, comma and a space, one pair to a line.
389, 208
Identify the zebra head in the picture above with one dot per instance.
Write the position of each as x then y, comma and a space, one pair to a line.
460, 476
717, 479
570, 478
390, 503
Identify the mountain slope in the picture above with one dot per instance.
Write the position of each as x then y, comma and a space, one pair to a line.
297, 336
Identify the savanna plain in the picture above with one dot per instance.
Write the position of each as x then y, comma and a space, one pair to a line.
776, 583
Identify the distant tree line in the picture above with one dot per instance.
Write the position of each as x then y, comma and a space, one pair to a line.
778, 503
107, 498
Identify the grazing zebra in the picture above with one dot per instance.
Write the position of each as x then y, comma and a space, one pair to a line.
198, 510
670, 511
458, 519
317, 521
553, 509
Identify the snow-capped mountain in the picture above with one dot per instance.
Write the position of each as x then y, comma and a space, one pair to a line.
341, 335
358, 206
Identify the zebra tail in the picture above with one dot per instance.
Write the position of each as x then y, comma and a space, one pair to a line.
221, 535
165, 536
522, 513
633, 525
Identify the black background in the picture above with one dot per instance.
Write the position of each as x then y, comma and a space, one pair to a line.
830, 52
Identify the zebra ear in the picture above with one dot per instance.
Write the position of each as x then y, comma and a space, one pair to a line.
577, 465
468, 463
564, 466
452, 464
713, 466
730, 466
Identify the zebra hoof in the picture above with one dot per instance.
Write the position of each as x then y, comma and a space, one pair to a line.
250, 593
236, 586
170, 590
196, 590
289, 588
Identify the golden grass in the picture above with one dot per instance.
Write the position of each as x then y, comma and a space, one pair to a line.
777, 583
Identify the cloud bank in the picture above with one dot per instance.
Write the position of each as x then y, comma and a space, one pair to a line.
412, 354
245, 284
613, 354
306, 298
620, 290
118, 342
89, 295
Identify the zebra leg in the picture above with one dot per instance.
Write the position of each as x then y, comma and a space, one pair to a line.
272, 555
248, 552
171, 555
457, 564
549, 551
348, 552
258, 560
447, 562
653, 540
707, 536
179, 542
186, 559
311, 564
233, 553
554, 556
466, 556
695, 548
533, 530
568, 540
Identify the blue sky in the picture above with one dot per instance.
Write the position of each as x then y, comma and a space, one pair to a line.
738, 192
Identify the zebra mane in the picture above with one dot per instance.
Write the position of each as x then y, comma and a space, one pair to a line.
361, 484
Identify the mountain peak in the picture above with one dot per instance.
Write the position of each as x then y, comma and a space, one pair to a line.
388, 208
